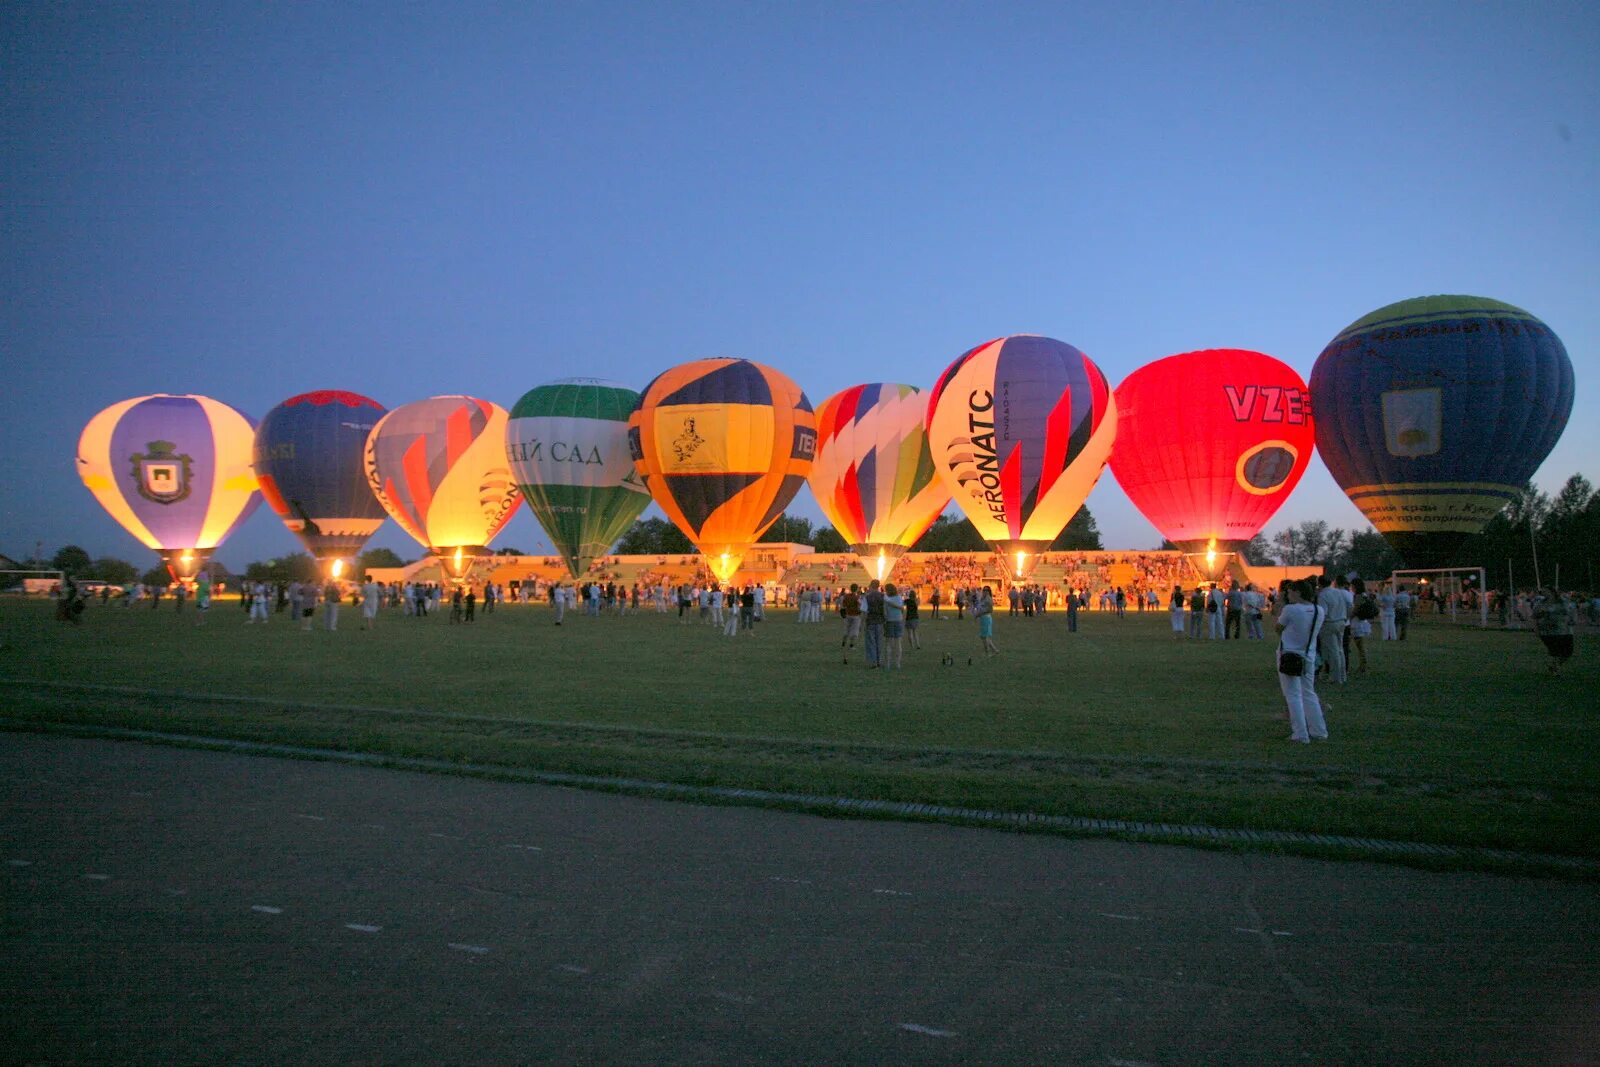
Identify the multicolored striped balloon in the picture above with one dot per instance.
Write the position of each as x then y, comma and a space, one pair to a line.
1020, 429
567, 443
309, 459
873, 474
174, 470
1433, 414
723, 445
438, 467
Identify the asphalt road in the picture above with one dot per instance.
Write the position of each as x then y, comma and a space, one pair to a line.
170, 906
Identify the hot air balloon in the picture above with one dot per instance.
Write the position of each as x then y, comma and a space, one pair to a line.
567, 443
309, 458
174, 470
438, 467
1020, 429
723, 445
1209, 445
1433, 413
874, 474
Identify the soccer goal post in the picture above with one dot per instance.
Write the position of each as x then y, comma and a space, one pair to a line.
1448, 582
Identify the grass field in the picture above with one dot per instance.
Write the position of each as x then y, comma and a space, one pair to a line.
1456, 737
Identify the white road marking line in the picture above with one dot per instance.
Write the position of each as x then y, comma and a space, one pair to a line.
1245, 930
98, 877
266, 909
362, 928
176, 892
447, 837
476, 950
732, 998
313, 818
571, 969
19, 863
789, 881
891, 893
527, 848
1281, 933
140, 793
1114, 915
1129, 1063
373, 826
916, 1028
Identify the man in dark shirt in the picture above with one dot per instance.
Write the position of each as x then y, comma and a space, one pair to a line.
874, 624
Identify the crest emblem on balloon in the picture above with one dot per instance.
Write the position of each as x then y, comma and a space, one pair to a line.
1020, 429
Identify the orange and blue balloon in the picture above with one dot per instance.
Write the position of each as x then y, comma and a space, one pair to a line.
1433, 414
309, 460
174, 471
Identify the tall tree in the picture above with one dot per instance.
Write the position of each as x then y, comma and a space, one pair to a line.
1079, 535
72, 560
113, 570
828, 539
1309, 544
949, 534
786, 528
379, 557
653, 537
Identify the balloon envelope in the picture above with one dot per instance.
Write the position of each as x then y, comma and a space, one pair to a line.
174, 470
723, 445
873, 474
1433, 413
1210, 444
567, 443
1020, 429
438, 467
309, 459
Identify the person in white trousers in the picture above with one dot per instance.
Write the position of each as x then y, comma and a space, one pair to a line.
1298, 626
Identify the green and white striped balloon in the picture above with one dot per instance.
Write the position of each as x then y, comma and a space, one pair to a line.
567, 443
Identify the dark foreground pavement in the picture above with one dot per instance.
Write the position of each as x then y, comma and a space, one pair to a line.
169, 906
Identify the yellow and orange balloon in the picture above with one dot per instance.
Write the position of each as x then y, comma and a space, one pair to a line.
723, 446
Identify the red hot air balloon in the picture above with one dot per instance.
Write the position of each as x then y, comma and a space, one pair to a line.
1209, 445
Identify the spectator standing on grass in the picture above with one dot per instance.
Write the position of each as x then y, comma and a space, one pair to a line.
747, 610
455, 605
1402, 612
1197, 611
729, 620
1072, 611
1233, 605
850, 612
894, 626
330, 606
202, 596
1214, 613
471, 605
1386, 612
1335, 614
983, 611
308, 604
371, 597
1366, 610
1175, 612
1298, 625
1255, 603
912, 611
961, 603
872, 613
1553, 616
934, 600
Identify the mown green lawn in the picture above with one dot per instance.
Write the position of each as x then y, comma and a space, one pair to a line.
1456, 737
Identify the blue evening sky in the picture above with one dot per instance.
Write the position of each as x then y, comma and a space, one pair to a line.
250, 201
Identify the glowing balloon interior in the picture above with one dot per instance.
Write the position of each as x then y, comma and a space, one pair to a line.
309, 458
1433, 413
1020, 429
723, 446
1209, 446
174, 470
567, 444
874, 474
438, 468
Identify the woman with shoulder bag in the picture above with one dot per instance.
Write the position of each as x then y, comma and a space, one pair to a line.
1298, 626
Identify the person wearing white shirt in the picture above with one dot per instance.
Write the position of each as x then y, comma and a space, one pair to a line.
1335, 604
1298, 626
370, 595
1254, 604
1214, 613
1386, 606
1402, 612
716, 605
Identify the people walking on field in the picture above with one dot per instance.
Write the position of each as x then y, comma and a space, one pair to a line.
1299, 624
1175, 612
